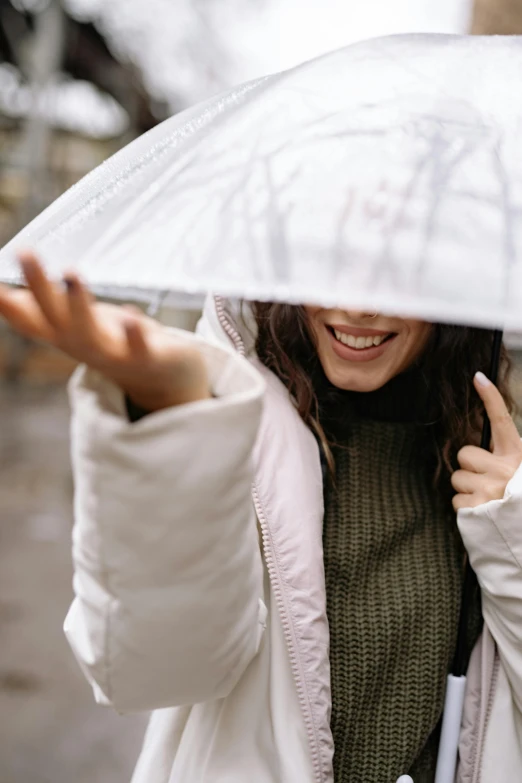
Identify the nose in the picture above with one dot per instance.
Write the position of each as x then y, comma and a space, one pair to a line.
359, 315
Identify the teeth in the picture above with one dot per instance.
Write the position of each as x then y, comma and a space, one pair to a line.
358, 342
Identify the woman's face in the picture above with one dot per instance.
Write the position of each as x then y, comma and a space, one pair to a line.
362, 352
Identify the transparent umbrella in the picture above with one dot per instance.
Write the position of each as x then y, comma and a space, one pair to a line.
384, 176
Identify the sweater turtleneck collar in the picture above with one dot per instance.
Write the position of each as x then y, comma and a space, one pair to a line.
406, 399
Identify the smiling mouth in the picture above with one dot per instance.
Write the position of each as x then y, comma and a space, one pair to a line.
360, 342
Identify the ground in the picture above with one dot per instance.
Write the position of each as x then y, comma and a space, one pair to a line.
50, 729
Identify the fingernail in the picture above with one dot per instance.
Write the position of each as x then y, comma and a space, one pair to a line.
26, 264
481, 379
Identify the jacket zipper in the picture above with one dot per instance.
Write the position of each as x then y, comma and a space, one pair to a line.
479, 746
275, 578
228, 328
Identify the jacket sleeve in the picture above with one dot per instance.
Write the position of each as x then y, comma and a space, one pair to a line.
168, 571
492, 534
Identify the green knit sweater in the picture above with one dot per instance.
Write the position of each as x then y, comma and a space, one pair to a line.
393, 562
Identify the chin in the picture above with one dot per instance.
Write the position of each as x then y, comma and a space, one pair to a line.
354, 381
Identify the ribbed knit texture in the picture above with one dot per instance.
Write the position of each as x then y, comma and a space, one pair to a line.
393, 562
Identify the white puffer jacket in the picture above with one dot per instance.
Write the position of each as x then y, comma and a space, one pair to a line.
200, 587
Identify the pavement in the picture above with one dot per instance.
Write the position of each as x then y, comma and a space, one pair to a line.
51, 731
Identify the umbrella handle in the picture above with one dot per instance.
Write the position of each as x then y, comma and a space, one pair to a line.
450, 732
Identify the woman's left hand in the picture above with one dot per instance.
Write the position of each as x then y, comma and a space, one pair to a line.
484, 475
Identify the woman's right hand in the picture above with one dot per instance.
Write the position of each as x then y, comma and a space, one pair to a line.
150, 365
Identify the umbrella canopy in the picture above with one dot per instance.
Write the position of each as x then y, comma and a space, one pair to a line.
385, 176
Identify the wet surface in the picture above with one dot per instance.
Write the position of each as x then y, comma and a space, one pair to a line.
50, 729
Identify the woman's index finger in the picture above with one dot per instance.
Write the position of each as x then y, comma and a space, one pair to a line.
503, 429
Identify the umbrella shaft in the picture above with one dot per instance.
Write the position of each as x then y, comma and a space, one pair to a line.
450, 732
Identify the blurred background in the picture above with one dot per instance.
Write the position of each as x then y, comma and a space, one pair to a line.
79, 79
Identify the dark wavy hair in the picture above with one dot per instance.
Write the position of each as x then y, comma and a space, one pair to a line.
285, 345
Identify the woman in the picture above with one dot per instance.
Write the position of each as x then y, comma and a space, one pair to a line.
208, 570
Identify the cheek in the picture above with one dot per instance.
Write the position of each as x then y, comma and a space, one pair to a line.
313, 327
311, 316
416, 341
